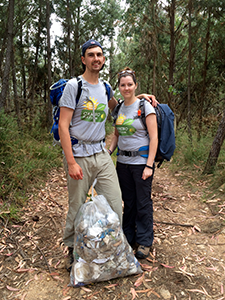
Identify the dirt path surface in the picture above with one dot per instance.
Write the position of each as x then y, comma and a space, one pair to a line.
188, 260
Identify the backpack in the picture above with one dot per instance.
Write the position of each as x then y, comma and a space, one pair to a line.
165, 122
56, 91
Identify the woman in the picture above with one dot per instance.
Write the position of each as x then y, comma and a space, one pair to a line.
134, 168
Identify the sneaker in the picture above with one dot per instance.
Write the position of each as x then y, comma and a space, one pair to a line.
70, 259
142, 252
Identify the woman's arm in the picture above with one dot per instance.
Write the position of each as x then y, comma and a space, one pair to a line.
151, 123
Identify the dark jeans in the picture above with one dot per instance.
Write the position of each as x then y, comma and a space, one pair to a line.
138, 209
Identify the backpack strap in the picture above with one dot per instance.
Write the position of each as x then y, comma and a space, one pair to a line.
115, 112
79, 89
108, 90
142, 112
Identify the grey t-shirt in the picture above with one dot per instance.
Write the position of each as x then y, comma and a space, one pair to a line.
90, 114
132, 133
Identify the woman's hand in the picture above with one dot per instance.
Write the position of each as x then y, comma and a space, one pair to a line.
147, 173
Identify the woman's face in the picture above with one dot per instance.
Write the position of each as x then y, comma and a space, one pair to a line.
127, 86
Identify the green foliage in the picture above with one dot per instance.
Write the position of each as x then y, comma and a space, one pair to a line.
24, 160
192, 157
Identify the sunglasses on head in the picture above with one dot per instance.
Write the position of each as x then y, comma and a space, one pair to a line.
126, 72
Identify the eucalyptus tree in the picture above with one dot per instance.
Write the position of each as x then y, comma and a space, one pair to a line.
154, 33
3, 32
211, 58
82, 20
189, 69
216, 147
33, 55
138, 41
8, 55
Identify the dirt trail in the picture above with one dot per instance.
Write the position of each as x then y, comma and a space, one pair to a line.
188, 261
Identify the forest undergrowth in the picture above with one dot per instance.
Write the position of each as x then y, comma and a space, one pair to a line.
28, 155
187, 261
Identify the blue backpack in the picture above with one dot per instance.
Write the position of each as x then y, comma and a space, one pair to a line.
56, 91
166, 134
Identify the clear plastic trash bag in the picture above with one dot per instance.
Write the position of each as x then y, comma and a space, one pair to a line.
101, 250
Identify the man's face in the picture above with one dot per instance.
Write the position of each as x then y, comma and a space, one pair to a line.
93, 59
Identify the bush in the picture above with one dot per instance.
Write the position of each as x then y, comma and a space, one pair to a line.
193, 156
24, 160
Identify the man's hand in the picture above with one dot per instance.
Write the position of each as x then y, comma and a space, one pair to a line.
75, 171
150, 98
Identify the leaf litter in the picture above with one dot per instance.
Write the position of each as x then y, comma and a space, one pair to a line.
187, 260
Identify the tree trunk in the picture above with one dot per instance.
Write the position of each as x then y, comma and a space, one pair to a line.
76, 57
111, 52
49, 106
15, 98
22, 61
154, 49
189, 73
5, 81
215, 148
172, 48
68, 40
204, 77
2, 51
34, 73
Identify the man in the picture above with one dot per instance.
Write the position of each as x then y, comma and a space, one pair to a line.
87, 158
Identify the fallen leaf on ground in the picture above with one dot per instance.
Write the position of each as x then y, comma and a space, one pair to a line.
143, 291
86, 289
146, 267
111, 285
24, 270
166, 266
139, 281
133, 292
12, 289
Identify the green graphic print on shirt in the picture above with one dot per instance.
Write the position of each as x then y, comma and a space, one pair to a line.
92, 107
124, 126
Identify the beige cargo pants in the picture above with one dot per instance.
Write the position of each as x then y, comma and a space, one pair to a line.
98, 166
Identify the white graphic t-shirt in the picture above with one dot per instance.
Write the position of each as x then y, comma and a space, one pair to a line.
90, 114
132, 133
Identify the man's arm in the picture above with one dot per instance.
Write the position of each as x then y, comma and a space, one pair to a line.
112, 103
150, 98
74, 169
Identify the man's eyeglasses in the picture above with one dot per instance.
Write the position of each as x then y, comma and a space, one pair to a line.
126, 72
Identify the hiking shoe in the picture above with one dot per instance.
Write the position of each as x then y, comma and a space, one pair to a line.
142, 252
70, 259
134, 247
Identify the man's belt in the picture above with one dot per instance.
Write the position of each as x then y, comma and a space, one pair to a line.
74, 141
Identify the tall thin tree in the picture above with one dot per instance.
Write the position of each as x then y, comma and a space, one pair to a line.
49, 106
189, 70
215, 148
5, 81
